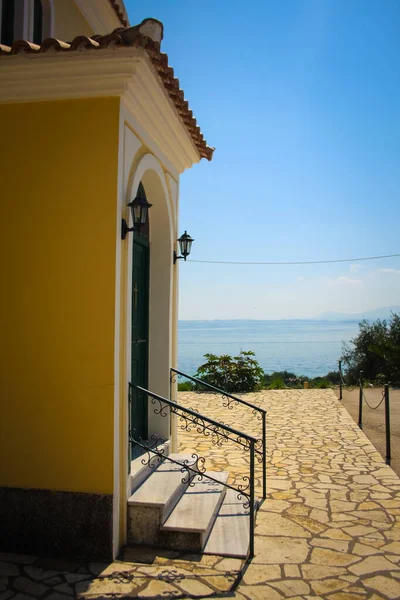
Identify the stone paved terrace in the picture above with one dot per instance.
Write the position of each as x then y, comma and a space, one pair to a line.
330, 527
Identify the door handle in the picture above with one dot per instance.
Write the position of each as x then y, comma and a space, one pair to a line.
139, 341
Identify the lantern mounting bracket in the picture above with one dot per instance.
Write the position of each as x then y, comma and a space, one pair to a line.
176, 257
125, 229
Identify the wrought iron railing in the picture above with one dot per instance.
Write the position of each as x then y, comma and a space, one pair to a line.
219, 433
229, 401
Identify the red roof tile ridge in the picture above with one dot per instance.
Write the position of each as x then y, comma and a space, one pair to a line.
83, 41
121, 12
53, 43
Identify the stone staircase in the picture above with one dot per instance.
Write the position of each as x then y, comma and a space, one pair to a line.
165, 512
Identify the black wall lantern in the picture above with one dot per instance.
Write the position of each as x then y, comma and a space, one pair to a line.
185, 246
140, 214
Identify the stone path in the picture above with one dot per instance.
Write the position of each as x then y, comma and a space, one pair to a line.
145, 573
330, 527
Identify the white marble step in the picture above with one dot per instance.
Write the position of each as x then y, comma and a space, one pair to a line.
164, 482
197, 509
152, 503
140, 472
230, 534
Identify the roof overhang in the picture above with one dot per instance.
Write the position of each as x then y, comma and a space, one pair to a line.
103, 15
126, 62
127, 74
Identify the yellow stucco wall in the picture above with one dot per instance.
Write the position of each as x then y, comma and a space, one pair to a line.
69, 21
58, 189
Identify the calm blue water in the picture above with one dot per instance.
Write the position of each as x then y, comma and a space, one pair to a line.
310, 348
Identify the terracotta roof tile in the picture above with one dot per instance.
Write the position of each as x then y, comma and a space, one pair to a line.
147, 35
120, 10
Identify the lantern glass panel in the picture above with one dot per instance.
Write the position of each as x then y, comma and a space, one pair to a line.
188, 246
143, 217
137, 210
182, 244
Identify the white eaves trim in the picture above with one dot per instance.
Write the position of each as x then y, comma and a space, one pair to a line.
99, 14
123, 72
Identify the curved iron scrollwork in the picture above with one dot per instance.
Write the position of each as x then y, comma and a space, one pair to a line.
194, 468
161, 410
257, 414
230, 401
174, 377
215, 431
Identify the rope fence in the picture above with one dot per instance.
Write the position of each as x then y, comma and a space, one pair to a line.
368, 404
363, 400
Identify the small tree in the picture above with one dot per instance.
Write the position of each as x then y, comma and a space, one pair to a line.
240, 373
375, 351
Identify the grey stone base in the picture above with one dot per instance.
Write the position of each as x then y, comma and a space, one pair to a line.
144, 529
46, 522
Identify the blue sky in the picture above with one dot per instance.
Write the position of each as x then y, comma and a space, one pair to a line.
301, 99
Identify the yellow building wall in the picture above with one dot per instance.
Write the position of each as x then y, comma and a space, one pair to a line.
69, 21
58, 196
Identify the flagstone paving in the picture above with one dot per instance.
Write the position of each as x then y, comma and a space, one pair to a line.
329, 528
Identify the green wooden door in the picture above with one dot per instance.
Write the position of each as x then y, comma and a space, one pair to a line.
140, 335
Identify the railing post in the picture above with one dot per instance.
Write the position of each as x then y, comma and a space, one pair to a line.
387, 425
172, 392
264, 458
341, 379
360, 400
252, 498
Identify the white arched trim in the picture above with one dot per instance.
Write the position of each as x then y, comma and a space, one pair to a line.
150, 163
162, 233
136, 167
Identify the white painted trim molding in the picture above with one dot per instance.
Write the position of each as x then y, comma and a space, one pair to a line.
135, 166
99, 14
123, 72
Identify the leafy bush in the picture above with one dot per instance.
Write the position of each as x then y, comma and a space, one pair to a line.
185, 386
333, 377
240, 373
288, 379
375, 351
277, 384
322, 384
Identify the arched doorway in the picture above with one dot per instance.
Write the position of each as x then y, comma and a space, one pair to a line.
140, 327
147, 178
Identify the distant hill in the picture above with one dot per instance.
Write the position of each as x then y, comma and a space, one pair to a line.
371, 315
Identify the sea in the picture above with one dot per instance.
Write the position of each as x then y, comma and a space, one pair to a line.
304, 347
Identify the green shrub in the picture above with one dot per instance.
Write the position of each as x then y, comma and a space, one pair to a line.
240, 373
289, 379
185, 386
333, 377
277, 384
322, 384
